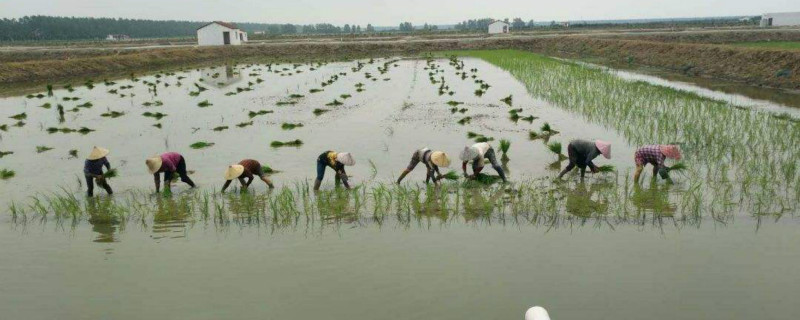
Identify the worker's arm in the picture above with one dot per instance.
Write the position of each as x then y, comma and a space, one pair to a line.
225, 186
157, 181
343, 175
464, 167
403, 175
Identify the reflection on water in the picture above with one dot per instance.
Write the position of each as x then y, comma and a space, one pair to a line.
653, 199
220, 77
582, 201
170, 219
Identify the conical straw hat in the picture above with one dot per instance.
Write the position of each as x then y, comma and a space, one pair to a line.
234, 171
153, 164
97, 153
671, 151
440, 159
604, 147
346, 159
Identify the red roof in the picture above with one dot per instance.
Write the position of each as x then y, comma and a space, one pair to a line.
224, 24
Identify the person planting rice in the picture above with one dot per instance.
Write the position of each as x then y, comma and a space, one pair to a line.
169, 163
582, 152
477, 153
247, 168
655, 155
337, 162
93, 170
432, 161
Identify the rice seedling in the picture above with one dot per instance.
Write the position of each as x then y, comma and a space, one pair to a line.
253, 114
20, 116
546, 128
73, 153
201, 145
42, 149
334, 103
680, 166
157, 125
290, 126
315, 90
479, 93
245, 124
46, 106
606, 169
220, 128
472, 135
3, 127
19, 124
508, 100
285, 103
6, 174
528, 119
319, 111
504, 146
85, 130
484, 139
52, 130
451, 175
454, 103
156, 103
155, 115
465, 120
111, 173
293, 143
113, 114
204, 104
345, 96
5, 153
86, 105
555, 147
49, 89
514, 117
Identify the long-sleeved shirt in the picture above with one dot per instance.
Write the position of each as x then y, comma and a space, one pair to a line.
251, 168
169, 161
650, 154
586, 151
95, 167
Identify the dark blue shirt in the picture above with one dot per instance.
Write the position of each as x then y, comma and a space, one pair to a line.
96, 166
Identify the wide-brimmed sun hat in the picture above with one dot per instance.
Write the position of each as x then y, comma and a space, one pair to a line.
604, 147
153, 164
346, 159
468, 154
234, 171
440, 159
671, 151
97, 153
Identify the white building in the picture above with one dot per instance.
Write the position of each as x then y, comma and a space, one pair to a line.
780, 19
499, 27
220, 33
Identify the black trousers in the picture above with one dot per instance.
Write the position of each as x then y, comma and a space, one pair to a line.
181, 171
90, 186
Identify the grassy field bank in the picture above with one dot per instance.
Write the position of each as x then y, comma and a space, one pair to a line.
756, 66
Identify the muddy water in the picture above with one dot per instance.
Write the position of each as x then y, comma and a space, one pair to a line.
183, 267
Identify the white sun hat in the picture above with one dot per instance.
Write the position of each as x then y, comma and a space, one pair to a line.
234, 171
97, 153
153, 164
468, 154
346, 159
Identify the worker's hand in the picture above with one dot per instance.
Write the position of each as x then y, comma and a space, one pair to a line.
595, 169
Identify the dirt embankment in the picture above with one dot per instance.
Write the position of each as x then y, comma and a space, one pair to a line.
713, 36
766, 67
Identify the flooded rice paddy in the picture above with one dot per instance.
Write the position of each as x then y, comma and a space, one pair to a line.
717, 243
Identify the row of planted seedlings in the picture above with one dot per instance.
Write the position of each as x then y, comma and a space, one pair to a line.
743, 158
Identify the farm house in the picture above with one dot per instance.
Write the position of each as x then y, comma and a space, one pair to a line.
780, 19
499, 27
219, 33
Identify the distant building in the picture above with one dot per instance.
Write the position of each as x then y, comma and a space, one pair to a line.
780, 19
498, 27
118, 37
220, 33
565, 24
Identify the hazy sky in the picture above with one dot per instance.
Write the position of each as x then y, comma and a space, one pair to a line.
382, 12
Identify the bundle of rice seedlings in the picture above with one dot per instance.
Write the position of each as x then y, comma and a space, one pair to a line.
201, 145
7, 174
319, 111
157, 125
156, 115
46, 106
555, 147
111, 173
21, 116
293, 143
3, 127
253, 114
454, 103
680, 166
315, 90
220, 128
504, 146
41, 149
484, 139
513, 111
5, 153
345, 96
73, 153
296, 96
204, 104
508, 100
606, 168
334, 103
533, 135
245, 124
290, 126
472, 135
514, 117
451, 175
464, 120
113, 114
267, 169
85, 130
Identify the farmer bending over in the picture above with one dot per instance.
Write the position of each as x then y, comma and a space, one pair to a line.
93, 170
582, 152
335, 161
247, 168
655, 155
432, 161
169, 163
477, 153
